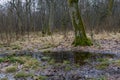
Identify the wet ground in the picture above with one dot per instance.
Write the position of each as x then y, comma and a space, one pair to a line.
63, 66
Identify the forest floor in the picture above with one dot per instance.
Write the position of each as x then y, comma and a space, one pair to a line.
102, 43
106, 43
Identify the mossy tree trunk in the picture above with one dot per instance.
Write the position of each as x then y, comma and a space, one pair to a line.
80, 34
110, 7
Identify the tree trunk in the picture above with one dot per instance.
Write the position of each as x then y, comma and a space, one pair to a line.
80, 34
51, 17
110, 7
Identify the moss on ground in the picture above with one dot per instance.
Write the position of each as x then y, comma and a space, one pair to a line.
11, 60
40, 77
103, 63
31, 63
11, 69
22, 74
4, 79
27, 62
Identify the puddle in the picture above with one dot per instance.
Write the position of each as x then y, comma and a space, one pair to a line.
73, 57
81, 58
76, 57
8, 76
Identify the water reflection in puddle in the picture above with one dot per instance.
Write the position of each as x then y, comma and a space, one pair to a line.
76, 57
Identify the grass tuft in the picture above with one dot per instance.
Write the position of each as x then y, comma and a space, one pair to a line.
11, 69
22, 75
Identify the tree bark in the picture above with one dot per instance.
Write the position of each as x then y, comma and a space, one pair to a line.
51, 17
110, 7
79, 28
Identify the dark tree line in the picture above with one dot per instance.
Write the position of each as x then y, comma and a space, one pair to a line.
21, 17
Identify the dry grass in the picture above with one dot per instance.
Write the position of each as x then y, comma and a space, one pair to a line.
106, 35
38, 42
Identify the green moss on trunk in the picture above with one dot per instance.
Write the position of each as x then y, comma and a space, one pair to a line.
79, 28
110, 7
82, 41
72, 1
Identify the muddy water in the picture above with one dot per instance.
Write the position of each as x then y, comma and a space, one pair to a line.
86, 61
9, 76
77, 57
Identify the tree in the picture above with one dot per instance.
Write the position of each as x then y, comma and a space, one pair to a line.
17, 7
79, 28
110, 7
28, 15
